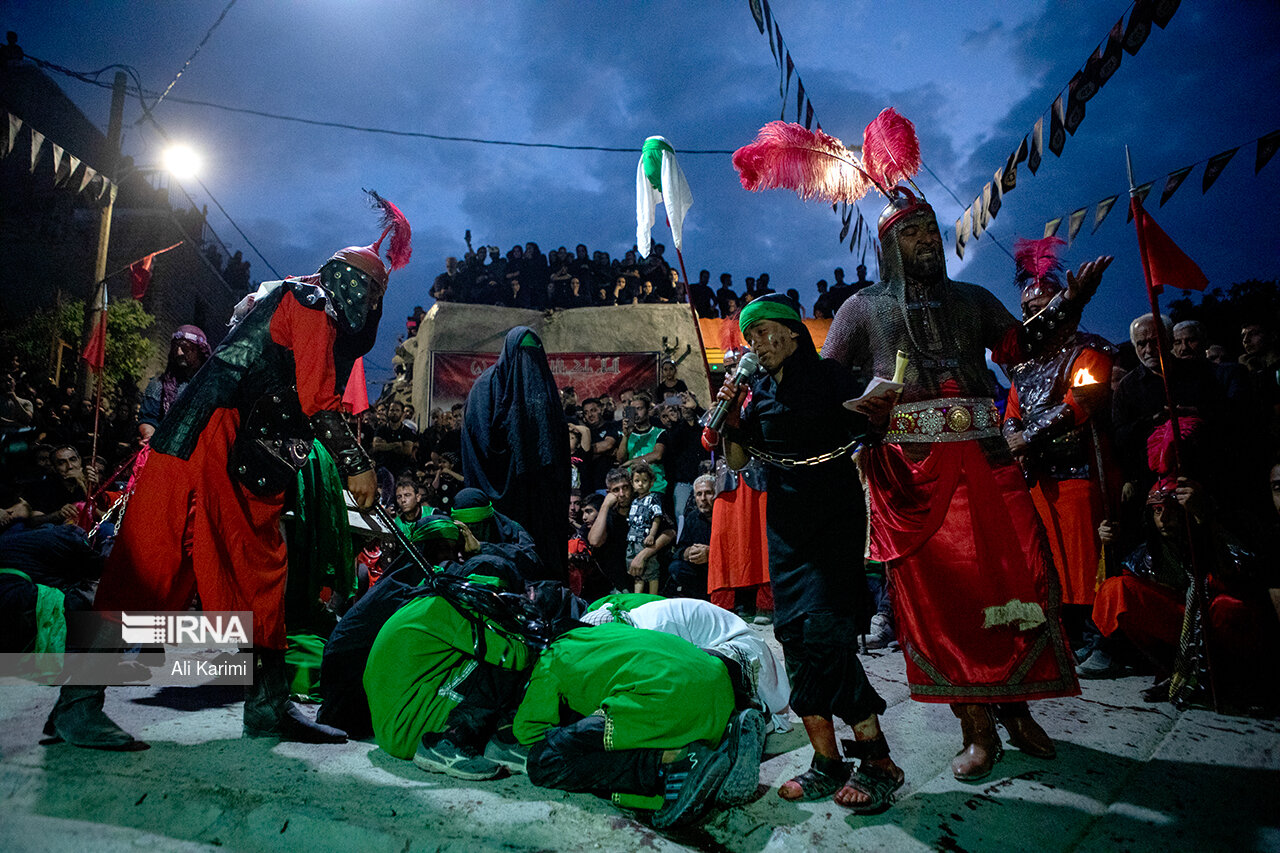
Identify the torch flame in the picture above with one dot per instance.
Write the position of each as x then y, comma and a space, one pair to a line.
1083, 377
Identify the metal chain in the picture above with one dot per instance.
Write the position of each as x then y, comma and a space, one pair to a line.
792, 462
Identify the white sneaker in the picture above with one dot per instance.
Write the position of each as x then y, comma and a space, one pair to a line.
881, 633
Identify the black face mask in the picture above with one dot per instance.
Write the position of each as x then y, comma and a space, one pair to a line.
351, 291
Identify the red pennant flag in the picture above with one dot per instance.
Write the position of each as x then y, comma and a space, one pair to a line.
140, 271
356, 394
95, 350
1162, 261
140, 276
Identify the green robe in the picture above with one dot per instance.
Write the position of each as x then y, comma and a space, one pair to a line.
418, 660
654, 690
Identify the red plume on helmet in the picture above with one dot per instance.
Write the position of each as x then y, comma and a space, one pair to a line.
890, 148
367, 258
1038, 263
394, 223
813, 163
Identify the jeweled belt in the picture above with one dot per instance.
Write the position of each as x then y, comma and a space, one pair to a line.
944, 419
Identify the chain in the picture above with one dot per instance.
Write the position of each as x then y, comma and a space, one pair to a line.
792, 462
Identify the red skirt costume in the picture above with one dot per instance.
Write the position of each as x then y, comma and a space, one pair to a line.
190, 526
739, 555
974, 593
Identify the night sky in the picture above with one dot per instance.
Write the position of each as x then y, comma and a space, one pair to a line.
973, 77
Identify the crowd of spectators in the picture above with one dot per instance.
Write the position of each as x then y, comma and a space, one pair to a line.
525, 278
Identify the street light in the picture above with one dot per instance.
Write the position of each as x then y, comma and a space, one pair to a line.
181, 161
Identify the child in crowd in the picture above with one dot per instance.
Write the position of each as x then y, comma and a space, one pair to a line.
645, 522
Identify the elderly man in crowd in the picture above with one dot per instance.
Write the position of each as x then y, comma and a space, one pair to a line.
688, 571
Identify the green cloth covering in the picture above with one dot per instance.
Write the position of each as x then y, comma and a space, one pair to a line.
429, 529
472, 514
624, 601
529, 340
303, 659
654, 690
319, 545
51, 624
421, 655
651, 158
765, 309
637, 801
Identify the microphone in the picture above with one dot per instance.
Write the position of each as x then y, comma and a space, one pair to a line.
713, 420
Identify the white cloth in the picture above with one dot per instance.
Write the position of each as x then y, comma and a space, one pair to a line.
716, 629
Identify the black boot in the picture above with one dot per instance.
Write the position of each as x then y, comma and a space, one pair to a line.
78, 719
268, 712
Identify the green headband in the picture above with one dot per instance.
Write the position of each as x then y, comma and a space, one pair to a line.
472, 514
433, 528
765, 309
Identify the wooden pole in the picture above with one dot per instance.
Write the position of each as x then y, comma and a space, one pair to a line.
97, 293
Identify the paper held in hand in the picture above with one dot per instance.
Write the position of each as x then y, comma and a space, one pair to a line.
877, 387
887, 388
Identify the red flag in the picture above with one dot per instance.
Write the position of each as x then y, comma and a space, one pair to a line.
1162, 261
140, 275
140, 271
356, 395
95, 350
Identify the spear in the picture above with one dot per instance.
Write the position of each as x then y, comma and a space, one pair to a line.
1191, 613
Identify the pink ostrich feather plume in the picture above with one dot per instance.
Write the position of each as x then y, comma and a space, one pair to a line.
1037, 258
395, 224
812, 163
890, 148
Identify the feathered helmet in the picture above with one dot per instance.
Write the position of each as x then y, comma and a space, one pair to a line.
355, 276
817, 165
367, 258
1039, 269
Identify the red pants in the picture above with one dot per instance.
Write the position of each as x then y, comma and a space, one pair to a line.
189, 527
1071, 511
1243, 637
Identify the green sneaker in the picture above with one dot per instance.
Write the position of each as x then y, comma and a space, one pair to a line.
445, 757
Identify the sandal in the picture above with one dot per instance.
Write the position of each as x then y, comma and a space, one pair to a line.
878, 783
824, 777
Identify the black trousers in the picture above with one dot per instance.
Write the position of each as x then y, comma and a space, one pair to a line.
573, 758
827, 679
490, 696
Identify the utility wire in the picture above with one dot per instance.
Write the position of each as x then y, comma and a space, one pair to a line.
90, 77
169, 88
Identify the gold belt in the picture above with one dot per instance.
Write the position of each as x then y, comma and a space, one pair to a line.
944, 419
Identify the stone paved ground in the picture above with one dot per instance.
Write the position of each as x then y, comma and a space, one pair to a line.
1129, 776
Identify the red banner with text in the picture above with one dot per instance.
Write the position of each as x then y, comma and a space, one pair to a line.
590, 374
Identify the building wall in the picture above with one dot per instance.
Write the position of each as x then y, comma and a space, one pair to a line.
456, 327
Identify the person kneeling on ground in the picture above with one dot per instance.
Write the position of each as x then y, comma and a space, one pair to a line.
607, 712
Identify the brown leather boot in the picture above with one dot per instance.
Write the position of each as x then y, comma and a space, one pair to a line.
1024, 732
981, 742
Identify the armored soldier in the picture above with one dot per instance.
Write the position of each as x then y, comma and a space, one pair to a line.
975, 599
1050, 427
205, 516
